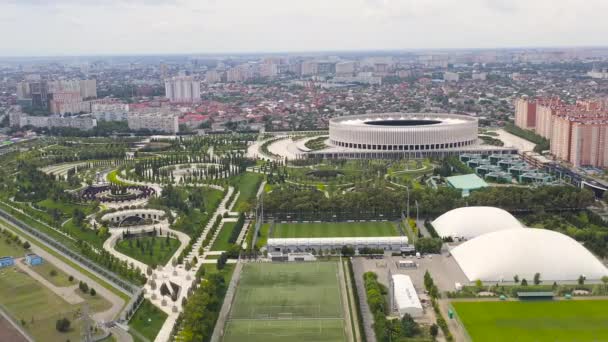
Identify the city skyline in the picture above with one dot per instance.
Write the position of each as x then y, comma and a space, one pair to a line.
123, 27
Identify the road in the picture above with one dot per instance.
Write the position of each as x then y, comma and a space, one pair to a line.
366, 314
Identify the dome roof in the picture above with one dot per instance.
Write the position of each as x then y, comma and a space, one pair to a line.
523, 252
470, 222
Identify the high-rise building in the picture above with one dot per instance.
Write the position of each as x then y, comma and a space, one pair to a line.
346, 68
183, 89
525, 113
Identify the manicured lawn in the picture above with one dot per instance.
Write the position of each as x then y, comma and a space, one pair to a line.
24, 298
333, 229
59, 279
298, 302
221, 242
248, 184
535, 321
149, 250
262, 239
148, 320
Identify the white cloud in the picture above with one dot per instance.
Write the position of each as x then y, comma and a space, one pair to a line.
66, 27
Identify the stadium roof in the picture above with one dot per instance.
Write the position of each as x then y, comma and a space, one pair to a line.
504, 254
470, 222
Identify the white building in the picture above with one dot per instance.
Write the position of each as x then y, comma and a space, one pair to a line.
502, 255
470, 222
160, 122
479, 76
346, 68
404, 299
183, 89
110, 111
18, 119
449, 76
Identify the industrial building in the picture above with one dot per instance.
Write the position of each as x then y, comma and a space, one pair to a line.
404, 299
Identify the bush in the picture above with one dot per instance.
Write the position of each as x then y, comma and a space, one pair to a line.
93, 292
71, 278
63, 325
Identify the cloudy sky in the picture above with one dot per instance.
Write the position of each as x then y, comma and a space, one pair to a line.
83, 27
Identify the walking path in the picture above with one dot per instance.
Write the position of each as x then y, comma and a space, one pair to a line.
67, 292
218, 330
182, 277
345, 308
368, 318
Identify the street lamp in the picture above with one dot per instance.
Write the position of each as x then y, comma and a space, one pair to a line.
407, 189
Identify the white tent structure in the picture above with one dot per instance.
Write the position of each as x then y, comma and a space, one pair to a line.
501, 255
404, 296
470, 222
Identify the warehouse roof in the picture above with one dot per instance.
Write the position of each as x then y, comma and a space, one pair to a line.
405, 293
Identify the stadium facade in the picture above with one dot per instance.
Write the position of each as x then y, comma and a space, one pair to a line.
398, 135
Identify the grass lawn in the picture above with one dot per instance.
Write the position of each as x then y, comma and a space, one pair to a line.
149, 250
26, 299
6, 225
60, 279
535, 321
221, 243
248, 184
308, 294
263, 235
148, 320
333, 229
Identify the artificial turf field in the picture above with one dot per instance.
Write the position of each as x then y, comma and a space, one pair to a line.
287, 302
535, 321
333, 229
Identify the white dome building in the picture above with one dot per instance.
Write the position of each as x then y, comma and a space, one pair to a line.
503, 254
470, 222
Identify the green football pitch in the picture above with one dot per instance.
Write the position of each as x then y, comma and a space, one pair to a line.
287, 302
333, 229
535, 321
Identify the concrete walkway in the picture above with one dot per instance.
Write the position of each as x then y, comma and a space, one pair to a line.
180, 276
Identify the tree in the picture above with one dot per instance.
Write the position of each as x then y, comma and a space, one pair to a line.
516, 279
149, 271
71, 278
434, 330
92, 292
581, 280
478, 284
63, 325
524, 282
26, 245
605, 280
410, 327
536, 278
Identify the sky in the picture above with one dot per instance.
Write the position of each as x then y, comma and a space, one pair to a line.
92, 27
